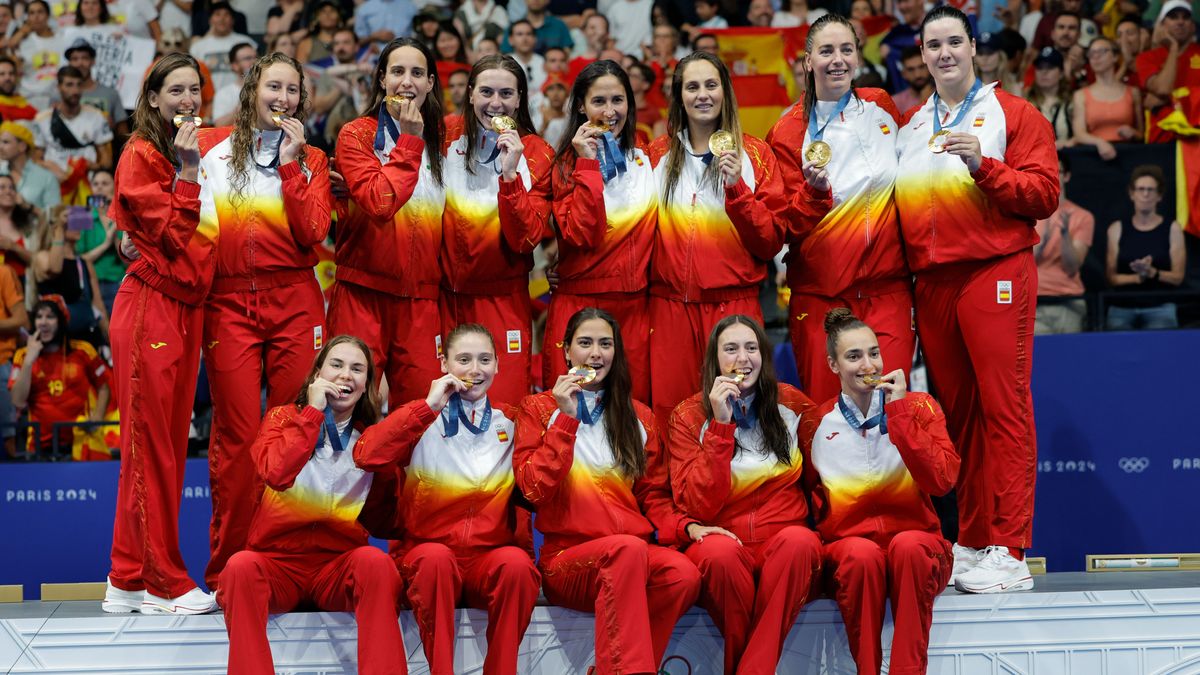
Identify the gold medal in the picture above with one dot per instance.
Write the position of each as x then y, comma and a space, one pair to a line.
737, 376
872, 380
819, 153
182, 118
469, 383
720, 142
584, 373
502, 123
937, 142
278, 117
396, 99
600, 124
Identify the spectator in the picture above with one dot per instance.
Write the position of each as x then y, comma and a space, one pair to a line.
1129, 39
708, 11
318, 44
98, 245
1051, 94
707, 43
41, 53
425, 28
1144, 254
13, 105
797, 13
479, 19
903, 34
1064, 38
991, 63
283, 43
486, 47
664, 52
627, 23
176, 15
521, 39
54, 376
868, 73
92, 22
456, 85
760, 13
174, 42
241, 58
36, 186
650, 122
1106, 111
380, 21
16, 225
448, 45
82, 56
285, 18
555, 61
550, 30
1048, 25
552, 111
595, 40
1064, 239
136, 18
337, 99
57, 270
916, 75
72, 138
213, 49
13, 318
7, 27
861, 9
1168, 67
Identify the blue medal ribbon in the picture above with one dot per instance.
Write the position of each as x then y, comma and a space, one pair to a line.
386, 125
612, 160
488, 150
879, 420
816, 131
339, 441
962, 110
744, 418
274, 162
455, 415
581, 410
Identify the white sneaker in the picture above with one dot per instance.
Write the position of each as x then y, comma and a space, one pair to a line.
194, 601
965, 560
117, 601
996, 572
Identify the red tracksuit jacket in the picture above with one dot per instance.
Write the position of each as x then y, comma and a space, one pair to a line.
161, 214
949, 215
752, 495
876, 486
711, 243
389, 233
565, 469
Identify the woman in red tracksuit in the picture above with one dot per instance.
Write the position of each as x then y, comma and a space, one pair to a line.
844, 246
878, 451
308, 541
155, 334
389, 232
588, 457
459, 521
735, 468
979, 171
268, 194
606, 207
718, 225
497, 211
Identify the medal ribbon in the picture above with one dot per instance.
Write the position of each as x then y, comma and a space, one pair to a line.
487, 147
879, 420
962, 110
612, 160
388, 125
744, 418
275, 161
339, 441
455, 415
581, 410
819, 131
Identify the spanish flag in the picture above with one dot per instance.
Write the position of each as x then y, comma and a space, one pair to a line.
759, 61
875, 28
1184, 123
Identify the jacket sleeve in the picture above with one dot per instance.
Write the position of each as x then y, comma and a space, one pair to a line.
307, 200
757, 214
579, 208
525, 214
917, 427
285, 443
1025, 184
700, 473
158, 211
390, 443
380, 191
542, 457
653, 491
808, 205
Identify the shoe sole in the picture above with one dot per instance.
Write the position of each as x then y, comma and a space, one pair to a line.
150, 608
1022, 584
119, 608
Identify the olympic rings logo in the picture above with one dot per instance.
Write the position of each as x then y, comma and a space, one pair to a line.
1134, 464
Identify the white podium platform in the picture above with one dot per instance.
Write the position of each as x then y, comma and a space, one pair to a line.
1071, 624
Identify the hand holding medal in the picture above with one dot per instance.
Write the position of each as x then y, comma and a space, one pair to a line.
407, 113
510, 145
721, 145
442, 388
966, 147
724, 394
586, 141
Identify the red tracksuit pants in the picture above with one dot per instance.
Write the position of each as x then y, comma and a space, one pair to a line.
976, 325
678, 336
277, 332
888, 311
637, 590
401, 332
910, 573
754, 592
502, 581
510, 321
362, 580
156, 355
631, 312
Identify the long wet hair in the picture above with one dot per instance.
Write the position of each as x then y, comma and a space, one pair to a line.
677, 122
521, 116
620, 419
434, 133
366, 411
148, 122
776, 440
810, 78
246, 121
565, 155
